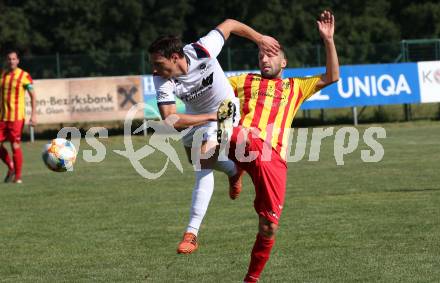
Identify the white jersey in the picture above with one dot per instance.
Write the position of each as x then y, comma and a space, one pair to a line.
205, 85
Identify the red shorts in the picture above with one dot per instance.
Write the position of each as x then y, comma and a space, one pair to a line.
11, 130
268, 172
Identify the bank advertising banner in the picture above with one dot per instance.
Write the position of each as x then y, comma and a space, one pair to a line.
85, 99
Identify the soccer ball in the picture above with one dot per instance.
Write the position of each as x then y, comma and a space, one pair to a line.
59, 155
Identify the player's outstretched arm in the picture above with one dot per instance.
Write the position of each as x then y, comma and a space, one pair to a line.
266, 44
185, 120
326, 27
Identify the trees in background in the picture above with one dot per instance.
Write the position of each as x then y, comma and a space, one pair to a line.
365, 29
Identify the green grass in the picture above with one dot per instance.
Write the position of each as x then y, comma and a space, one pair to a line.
361, 222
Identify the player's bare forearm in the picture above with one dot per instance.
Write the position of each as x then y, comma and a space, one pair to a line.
326, 27
33, 100
332, 62
180, 121
232, 26
266, 44
32, 95
187, 120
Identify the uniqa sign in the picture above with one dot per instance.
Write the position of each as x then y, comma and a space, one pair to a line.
384, 85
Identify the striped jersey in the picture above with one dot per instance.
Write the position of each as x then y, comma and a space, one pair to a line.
269, 105
13, 87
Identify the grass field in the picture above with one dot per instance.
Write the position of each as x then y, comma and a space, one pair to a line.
361, 222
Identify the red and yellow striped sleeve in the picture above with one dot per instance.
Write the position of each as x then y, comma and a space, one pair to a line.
233, 81
27, 80
237, 83
307, 85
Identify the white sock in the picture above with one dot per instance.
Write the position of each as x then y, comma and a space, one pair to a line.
228, 167
201, 196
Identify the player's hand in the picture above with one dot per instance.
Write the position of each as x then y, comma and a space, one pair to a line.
326, 25
33, 120
269, 46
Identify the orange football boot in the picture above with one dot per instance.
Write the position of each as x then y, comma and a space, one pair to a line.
188, 245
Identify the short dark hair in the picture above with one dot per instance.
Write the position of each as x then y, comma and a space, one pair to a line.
283, 51
166, 46
9, 51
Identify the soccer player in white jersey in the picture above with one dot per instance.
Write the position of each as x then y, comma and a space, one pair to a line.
193, 74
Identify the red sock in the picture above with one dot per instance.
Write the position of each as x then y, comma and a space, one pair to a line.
18, 162
6, 159
260, 255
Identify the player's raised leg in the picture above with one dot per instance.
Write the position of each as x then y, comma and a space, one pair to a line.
201, 196
203, 187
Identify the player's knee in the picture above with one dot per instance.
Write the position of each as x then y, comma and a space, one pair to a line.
16, 145
207, 163
208, 155
268, 229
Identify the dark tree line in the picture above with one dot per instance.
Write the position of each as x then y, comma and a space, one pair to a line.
364, 28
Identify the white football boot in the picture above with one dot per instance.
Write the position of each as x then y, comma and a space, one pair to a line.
225, 120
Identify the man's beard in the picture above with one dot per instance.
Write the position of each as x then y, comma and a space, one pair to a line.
272, 74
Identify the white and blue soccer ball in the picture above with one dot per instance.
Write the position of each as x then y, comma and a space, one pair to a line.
59, 155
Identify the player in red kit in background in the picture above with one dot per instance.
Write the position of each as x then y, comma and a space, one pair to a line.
13, 86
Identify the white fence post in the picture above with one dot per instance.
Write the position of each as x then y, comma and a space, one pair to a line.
355, 116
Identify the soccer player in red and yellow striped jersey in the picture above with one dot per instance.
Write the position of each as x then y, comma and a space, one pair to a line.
268, 105
13, 86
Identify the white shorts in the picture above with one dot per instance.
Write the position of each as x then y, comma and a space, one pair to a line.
208, 131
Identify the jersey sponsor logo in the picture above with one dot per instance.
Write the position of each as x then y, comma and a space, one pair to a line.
268, 93
161, 95
208, 80
204, 68
206, 86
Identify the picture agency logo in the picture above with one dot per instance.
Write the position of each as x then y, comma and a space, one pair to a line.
346, 140
164, 132
160, 140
